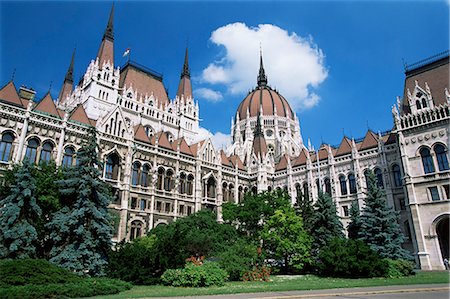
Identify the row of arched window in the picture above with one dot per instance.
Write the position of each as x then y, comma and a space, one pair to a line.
440, 152
35, 151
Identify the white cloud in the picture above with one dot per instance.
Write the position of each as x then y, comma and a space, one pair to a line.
209, 94
219, 139
294, 65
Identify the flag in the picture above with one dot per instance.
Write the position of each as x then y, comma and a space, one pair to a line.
127, 52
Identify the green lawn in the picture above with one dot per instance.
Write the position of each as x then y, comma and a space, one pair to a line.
283, 283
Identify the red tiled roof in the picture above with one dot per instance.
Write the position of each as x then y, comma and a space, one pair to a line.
301, 159
196, 146
143, 82
225, 160
259, 146
184, 147
391, 138
282, 164
139, 134
163, 141
237, 161
370, 141
9, 94
344, 148
79, 115
48, 106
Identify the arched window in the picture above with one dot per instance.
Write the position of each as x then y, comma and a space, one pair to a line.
343, 184
319, 188
31, 152
168, 181
69, 152
190, 184
366, 177
379, 176
136, 230
397, 175
441, 156
211, 188
255, 190
427, 160
149, 131
298, 190
418, 105
169, 137
5, 147
327, 186
159, 184
144, 175
305, 190
182, 184
112, 167
46, 152
352, 183
135, 175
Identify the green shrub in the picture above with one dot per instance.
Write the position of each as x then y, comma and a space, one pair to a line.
238, 259
35, 272
135, 262
398, 268
84, 288
193, 275
349, 258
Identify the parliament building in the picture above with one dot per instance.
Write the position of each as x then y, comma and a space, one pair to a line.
159, 170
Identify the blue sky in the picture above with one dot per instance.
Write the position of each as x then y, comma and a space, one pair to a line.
350, 76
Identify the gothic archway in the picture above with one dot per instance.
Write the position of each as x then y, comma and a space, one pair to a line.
442, 231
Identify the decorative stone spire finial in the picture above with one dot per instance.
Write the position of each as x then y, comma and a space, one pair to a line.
262, 78
258, 129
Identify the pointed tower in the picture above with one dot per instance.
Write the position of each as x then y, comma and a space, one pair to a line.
262, 78
106, 50
185, 88
259, 142
67, 87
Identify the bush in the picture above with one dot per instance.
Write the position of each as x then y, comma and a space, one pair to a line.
257, 274
84, 288
193, 275
398, 268
135, 262
35, 272
349, 258
238, 259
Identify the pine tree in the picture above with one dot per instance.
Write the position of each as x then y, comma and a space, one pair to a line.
81, 230
19, 214
379, 227
354, 226
304, 208
326, 224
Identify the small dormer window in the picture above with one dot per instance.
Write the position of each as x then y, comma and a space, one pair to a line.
424, 103
113, 82
98, 77
129, 95
107, 68
151, 103
170, 110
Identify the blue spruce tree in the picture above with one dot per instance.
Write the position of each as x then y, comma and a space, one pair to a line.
19, 214
354, 226
379, 227
82, 230
325, 222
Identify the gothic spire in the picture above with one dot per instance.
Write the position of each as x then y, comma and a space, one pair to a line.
258, 129
109, 31
106, 50
67, 87
69, 74
185, 87
185, 71
262, 79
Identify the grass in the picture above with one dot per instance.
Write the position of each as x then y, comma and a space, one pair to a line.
282, 283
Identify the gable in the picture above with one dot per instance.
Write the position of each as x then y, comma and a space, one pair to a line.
9, 94
47, 105
344, 148
79, 115
370, 141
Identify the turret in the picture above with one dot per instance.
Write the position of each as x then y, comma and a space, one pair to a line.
185, 88
67, 87
106, 50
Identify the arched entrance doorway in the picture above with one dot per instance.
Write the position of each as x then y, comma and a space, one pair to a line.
442, 230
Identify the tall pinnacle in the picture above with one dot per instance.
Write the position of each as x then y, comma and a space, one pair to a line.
258, 129
262, 79
185, 87
109, 31
185, 71
69, 74
106, 50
